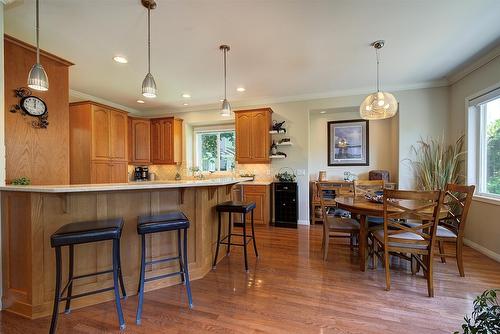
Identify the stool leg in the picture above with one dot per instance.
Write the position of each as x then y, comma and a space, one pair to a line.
116, 256
186, 270
67, 309
141, 279
228, 252
120, 274
218, 243
179, 253
53, 323
253, 238
245, 241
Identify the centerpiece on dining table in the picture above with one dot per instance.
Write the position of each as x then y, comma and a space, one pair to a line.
375, 196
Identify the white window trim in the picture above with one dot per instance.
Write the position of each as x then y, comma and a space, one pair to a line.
209, 128
475, 143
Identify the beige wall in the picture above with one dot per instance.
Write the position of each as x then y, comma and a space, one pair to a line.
483, 227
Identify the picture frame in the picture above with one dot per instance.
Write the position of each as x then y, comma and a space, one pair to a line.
348, 143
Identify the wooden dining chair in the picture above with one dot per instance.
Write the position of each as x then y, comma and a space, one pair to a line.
363, 187
399, 239
332, 222
457, 199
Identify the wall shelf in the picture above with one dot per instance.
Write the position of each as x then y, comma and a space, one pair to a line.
274, 132
287, 143
277, 157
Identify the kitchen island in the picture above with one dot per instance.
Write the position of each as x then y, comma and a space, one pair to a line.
30, 214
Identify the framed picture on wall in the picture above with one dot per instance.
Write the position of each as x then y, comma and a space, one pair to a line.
348, 143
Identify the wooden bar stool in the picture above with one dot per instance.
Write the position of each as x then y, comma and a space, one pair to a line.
171, 221
81, 233
238, 207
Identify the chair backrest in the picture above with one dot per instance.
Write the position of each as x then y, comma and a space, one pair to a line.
457, 199
419, 205
362, 187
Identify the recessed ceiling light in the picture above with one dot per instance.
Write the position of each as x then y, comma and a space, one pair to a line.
322, 112
120, 59
241, 89
186, 95
185, 104
140, 101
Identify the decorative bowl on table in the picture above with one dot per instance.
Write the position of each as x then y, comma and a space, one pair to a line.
375, 197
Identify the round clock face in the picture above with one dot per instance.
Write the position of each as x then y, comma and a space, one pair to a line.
33, 106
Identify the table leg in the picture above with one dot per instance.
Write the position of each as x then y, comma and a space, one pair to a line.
363, 242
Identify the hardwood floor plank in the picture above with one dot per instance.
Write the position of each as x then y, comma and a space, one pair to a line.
291, 290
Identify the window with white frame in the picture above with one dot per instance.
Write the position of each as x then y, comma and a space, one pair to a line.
215, 149
484, 144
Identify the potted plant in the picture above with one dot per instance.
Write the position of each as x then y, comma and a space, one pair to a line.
485, 317
437, 164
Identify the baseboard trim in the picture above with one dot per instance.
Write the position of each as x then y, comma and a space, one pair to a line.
303, 222
483, 250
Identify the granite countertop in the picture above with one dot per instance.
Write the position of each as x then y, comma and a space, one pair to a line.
258, 182
74, 188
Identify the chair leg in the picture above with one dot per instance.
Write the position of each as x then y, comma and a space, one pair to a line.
186, 270
326, 241
460, 260
441, 251
218, 242
179, 253
351, 241
245, 241
141, 280
387, 269
230, 228
120, 274
55, 311
430, 275
116, 255
253, 237
414, 263
375, 253
67, 309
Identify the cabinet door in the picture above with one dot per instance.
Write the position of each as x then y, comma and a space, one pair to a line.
100, 133
259, 194
168, 135
156, 142
260, 137
101, 172
243, 128
162, 141
118, 136
118, 171
140, 147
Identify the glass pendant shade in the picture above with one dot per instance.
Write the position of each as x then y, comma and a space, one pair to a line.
149, 86
37, 78
226, 108
379, 105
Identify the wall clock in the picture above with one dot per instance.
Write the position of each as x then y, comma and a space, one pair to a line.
32, 106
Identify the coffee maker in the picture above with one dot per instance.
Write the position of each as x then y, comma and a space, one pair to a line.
141, 173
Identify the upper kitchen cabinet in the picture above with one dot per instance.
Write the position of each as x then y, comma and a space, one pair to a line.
139, 140
98, 143
253, 140
166, 141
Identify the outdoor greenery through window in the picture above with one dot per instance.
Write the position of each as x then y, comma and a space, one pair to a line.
489, 155
215, 150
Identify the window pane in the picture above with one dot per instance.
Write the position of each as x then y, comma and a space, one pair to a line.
227, 151
208, 151
492, 123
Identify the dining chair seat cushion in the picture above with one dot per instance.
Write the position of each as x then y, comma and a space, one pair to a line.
87, 231
375, 220
342, 224
410, 236
442, 232
340, 213
169, 221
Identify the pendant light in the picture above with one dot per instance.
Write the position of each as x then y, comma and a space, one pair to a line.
37, 78
148, 84
379, 105
226, 107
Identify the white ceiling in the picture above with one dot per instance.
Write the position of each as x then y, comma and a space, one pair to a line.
279, 48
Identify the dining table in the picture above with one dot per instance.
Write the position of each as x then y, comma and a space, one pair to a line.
364, 208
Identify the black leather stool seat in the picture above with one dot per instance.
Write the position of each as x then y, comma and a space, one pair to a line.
169, 221
89, 231
235, 206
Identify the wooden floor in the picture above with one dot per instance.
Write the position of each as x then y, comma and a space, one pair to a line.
291, 290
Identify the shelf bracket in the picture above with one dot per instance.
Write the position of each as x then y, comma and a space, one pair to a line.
181, 195
65, 203
211, 192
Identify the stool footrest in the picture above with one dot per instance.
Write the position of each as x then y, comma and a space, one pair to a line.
162, 260
86, 294
249, 238
163, 276
84, 276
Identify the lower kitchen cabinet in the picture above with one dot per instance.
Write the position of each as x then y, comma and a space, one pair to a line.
261, 195
109, 172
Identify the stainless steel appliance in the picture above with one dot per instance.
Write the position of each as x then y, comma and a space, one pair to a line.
141, 173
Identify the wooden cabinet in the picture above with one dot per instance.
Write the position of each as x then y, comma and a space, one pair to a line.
98, 143
166, 141
253, 140
261, 196
139, 140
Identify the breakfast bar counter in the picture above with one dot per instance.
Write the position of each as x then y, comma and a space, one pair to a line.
30, 214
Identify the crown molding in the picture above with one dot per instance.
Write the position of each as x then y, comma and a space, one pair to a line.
79, 96
475, 65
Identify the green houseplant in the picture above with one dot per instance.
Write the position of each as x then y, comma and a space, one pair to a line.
436, 163
485, 317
